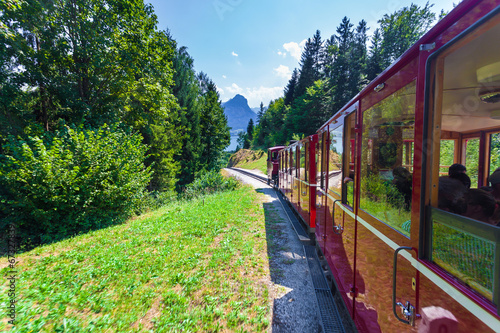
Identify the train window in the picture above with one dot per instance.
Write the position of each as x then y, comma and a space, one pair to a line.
472, 159
386, 161
319, 162
335, 161
464, 213
348, 178
446, 160
302, 162
494, 162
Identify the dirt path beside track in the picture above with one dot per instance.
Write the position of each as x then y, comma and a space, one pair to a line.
294, 306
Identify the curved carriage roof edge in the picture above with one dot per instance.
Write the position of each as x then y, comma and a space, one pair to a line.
275, 148
446, 22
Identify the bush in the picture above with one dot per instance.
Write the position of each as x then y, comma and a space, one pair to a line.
60, 184
209, 182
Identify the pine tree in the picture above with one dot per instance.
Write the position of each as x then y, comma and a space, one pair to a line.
357, 60
309, 65
340, 71
187, 91
290, 88
250, 130
261, 112
375, 61
213, 125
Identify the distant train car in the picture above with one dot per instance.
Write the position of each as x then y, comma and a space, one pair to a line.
404, 242
297, 176
273, 164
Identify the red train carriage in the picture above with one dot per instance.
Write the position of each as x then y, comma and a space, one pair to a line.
273, 164
297, 176
406, 252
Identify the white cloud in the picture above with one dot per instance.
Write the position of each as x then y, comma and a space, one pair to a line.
283, 71
234, 54
224, 77
234, 89
253, 95
295, 49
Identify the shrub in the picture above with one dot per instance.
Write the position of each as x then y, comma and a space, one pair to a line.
59, 184
209, 182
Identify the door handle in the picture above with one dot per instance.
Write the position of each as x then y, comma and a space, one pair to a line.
409, 312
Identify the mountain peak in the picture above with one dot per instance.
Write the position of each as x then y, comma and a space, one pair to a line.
237, 100
238, 112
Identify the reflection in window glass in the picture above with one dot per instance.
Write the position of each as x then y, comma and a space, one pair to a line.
335, 161
348, 166
387, 155
319, 180
302, 157
466, 246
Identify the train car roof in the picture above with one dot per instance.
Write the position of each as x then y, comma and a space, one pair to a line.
276, 148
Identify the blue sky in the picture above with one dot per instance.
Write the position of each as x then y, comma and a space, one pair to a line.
250, 47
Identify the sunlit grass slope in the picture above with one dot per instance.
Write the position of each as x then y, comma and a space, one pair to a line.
249, 159
190, 267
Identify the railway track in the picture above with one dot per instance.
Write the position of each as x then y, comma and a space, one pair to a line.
331, 320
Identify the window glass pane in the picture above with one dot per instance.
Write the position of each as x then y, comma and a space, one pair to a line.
335, 161
468, 256
494, 152
348, 167
472, 159
319, 180
387, 156
302, 162
446, 156
463, 223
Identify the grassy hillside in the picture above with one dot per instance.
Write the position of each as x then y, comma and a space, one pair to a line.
249, 159
193, 266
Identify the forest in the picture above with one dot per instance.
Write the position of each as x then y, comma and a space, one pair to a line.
101, 115
333, 71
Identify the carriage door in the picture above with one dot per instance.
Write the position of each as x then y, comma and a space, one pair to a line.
384, 254
339, 227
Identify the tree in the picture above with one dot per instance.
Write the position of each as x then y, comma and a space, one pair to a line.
213, 125
402, 29
242, 141
290, 88
309, 64
357, 60
338, 58
250, 130
261, 112
375, 61
187, 91
90, 62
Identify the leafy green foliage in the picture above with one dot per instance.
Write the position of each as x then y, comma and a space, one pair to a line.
56, 185
402, 29
209, 182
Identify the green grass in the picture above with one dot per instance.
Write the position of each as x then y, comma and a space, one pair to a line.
191, 266
259, 164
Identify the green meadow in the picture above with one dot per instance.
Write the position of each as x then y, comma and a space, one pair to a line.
190, 266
